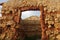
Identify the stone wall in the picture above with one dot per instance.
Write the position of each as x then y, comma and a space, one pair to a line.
52, 21
11, 16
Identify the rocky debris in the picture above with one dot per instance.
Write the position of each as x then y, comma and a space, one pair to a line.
52, 5
53, 34
7, 30
53, 31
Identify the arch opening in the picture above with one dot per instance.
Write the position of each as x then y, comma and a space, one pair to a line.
30, 22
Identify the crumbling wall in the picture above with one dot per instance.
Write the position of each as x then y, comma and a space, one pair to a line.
52, 21
11, 14
9, 24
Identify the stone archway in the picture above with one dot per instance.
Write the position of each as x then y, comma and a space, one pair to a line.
15, 13
43, 26
17, 17
11, 13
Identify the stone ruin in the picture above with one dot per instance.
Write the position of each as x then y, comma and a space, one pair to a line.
11, 18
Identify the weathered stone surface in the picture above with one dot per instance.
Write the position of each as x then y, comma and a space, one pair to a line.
51, 4
10, 17
53, 32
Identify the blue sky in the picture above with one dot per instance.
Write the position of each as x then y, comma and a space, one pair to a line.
25, 14
2, 1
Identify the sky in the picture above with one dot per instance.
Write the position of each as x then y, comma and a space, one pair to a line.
25, 14
3, 1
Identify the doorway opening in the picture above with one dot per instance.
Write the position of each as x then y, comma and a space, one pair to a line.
30, 21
